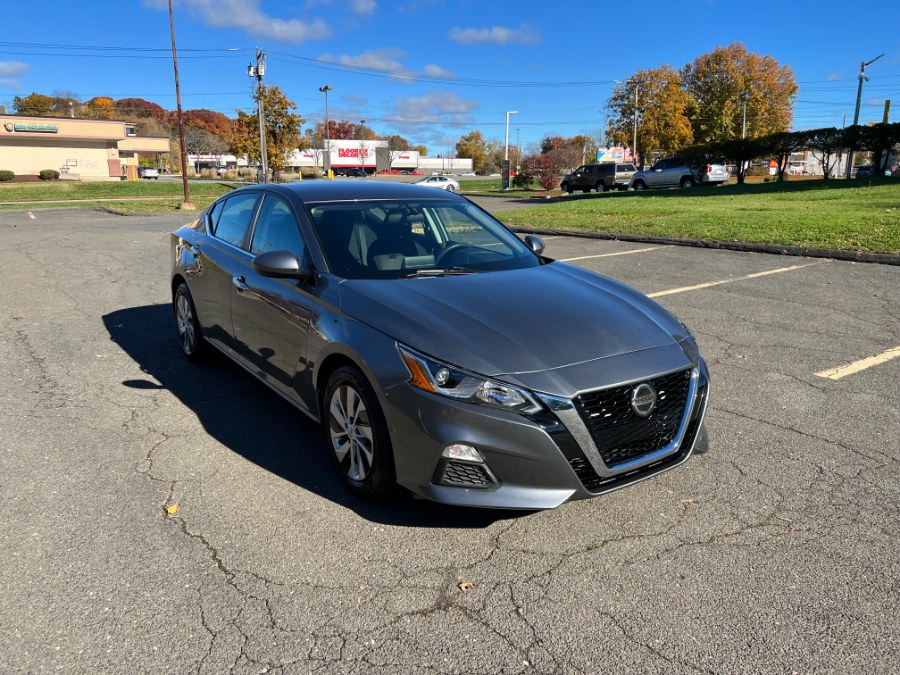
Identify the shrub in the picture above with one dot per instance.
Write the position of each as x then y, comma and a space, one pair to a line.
49, 174
6, 176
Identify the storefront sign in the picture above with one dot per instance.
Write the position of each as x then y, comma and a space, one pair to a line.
32, 128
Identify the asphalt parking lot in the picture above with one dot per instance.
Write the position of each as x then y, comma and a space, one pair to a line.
163, 517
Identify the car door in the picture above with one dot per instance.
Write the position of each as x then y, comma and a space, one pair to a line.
658, 176
221, 256
271, 316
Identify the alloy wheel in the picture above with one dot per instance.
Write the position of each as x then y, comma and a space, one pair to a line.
185, 319
350, 429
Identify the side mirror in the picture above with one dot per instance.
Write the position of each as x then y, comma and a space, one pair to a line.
535, 243
282, 265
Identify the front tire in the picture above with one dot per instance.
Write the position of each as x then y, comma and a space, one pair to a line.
640, 186
565, 188
190, 334
357, 436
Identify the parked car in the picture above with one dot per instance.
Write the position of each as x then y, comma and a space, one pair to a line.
441, 182
436, 349
864, 171
600, 177
675, 172
355, 172
148, 173
467, 173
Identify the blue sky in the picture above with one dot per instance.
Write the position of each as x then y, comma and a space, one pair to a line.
432, 70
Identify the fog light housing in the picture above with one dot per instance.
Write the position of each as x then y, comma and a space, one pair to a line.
463, 452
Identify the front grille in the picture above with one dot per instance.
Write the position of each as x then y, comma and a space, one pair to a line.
622, 436
462, 474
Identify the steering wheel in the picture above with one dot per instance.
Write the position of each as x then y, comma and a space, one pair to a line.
447, 252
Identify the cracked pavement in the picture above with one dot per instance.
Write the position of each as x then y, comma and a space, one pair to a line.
776, 552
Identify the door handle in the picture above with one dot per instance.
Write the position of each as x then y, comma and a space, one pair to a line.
240, 284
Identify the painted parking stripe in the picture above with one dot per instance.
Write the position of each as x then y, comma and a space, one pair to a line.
755, 275
607, 255
862, 364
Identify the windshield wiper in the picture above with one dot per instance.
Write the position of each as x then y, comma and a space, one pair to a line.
440, 272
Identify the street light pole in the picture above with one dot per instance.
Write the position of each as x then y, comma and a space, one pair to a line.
186, 205
862, 76
505, 170
508, 113
327, 163
258, 71
634, 136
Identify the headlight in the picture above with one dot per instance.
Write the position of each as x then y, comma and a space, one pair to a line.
440, 378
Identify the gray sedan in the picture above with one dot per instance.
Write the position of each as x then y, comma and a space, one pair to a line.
436, 349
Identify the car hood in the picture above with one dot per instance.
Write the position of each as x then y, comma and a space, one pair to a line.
513, 322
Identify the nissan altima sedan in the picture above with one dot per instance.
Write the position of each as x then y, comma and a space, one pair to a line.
436, 349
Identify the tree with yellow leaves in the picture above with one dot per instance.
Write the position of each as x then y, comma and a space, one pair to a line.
663, 112
282, 127
720, 82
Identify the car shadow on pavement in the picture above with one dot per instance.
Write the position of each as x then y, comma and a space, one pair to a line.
246, 417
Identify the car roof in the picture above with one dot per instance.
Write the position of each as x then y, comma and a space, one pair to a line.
327, 191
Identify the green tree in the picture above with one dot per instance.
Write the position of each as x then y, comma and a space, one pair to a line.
780, 146
827, 145
473, 146
663, 112
720, 82
282, 129
33, 104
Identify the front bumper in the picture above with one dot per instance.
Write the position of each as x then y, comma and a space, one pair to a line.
531, 462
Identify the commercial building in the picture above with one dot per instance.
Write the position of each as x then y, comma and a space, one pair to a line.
375, 156
82, 148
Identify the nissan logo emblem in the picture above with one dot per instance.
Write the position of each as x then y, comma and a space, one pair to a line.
643, 400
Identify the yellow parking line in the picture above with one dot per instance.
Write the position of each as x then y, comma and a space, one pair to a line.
607, 255
755, 275
862, 364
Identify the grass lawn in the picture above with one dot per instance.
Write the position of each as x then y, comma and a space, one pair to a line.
36, 192
853, 215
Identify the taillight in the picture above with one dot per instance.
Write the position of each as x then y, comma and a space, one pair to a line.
708, 168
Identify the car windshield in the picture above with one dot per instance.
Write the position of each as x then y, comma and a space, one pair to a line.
417, 239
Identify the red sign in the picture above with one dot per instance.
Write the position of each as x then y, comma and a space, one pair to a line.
353, 152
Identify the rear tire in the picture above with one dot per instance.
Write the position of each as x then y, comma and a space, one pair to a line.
687, 183
450, 188
190, 334
357, 435
600, 187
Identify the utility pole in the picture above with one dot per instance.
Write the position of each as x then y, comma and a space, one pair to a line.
634, 138
518, 152
326, 161
186, 205
258, 71
744, 128
862, 77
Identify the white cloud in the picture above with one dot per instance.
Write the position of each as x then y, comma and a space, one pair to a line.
835, 77
436, 71
387, 60
432, 109
363, 7
9, 69
247, 15
498, 35
355, 99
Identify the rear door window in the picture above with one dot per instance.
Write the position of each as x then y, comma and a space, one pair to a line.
276, 229
236, 217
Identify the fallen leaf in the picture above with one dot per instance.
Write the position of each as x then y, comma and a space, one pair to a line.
685, 502
466, 586
172, 509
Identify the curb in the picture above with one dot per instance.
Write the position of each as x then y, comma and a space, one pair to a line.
774, 249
